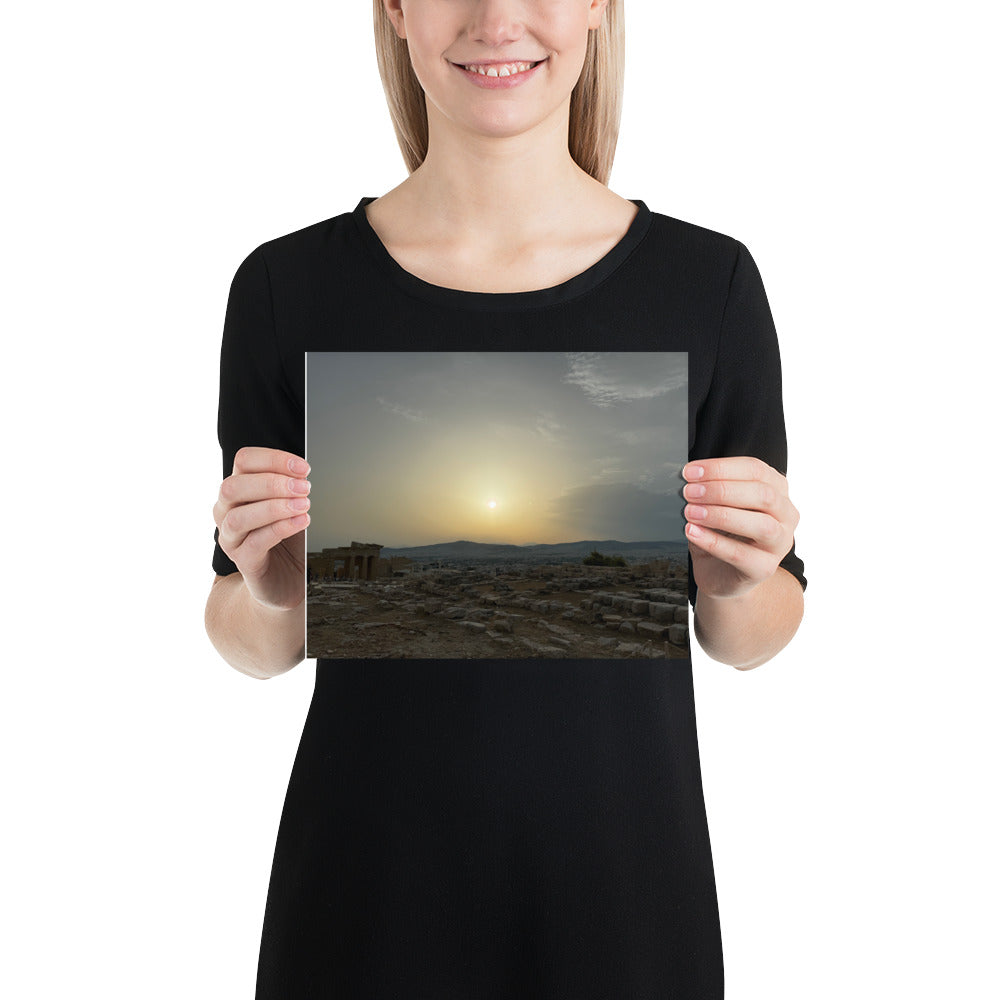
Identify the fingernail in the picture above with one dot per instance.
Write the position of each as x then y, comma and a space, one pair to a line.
693, 529
299, 503
695, 511
694, 472
299, 485
298, 466
694, 490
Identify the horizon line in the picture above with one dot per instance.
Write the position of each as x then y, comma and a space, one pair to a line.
524, 545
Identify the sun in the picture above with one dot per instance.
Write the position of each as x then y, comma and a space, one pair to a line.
491, 504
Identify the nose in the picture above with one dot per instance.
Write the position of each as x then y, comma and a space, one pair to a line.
497, 23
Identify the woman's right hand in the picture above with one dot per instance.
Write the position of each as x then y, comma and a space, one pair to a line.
261, 517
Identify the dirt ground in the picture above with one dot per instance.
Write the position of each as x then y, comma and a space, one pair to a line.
447, 614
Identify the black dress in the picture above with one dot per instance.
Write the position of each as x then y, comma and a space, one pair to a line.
487, 829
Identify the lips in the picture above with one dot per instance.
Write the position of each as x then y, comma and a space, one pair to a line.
508, 76
494, 62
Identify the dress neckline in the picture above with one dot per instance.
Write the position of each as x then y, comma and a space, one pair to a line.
585, 281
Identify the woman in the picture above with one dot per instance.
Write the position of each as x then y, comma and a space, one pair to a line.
498, 828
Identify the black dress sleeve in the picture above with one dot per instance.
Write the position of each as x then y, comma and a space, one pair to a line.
257, 405
742, 413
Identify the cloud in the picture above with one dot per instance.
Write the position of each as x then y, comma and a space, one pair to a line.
646, 437
528, 430
547, 428
609, 379
609, 472
624, 511
398, 410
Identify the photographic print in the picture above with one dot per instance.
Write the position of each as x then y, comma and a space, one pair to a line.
496, 505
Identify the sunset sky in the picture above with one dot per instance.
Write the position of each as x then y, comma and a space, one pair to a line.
418, 448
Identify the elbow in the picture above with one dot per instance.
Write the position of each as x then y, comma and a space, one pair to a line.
746, 635
780, 639
220, 641
225, 637
754, 664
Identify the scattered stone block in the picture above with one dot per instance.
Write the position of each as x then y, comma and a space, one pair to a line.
628, 649
654, 629
665, 596
542, 649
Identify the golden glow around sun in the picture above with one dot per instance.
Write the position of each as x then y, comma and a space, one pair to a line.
491, 504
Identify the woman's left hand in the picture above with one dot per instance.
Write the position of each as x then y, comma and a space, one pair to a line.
740, 523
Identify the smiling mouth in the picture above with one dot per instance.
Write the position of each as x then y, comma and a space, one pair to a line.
510, 68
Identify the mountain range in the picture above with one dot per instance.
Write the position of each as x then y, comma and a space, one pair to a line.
484, 550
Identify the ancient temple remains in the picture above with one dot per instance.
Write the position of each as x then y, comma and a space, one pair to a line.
357, 561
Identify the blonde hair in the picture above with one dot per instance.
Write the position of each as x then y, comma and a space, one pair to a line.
595, 106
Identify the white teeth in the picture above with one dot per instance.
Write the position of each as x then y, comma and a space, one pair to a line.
507, 69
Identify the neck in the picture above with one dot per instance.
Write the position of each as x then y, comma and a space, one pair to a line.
522, 186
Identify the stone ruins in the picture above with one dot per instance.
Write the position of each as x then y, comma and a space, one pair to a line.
544, 611
357, 561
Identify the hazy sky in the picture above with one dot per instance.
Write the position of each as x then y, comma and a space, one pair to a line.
418, 448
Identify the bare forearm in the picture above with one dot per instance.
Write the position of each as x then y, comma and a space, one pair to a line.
251, 638
749, 630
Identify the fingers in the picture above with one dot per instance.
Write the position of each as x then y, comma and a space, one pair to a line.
742, 468
763, 530
755, 495
240, 521
250, 459
742, 507
250, 486
742, 484
248, 532
263, 502
753, 562
248, 490
251, 556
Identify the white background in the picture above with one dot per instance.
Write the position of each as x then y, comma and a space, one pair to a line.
849, 781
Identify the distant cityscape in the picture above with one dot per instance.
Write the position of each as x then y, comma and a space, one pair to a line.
368, 561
